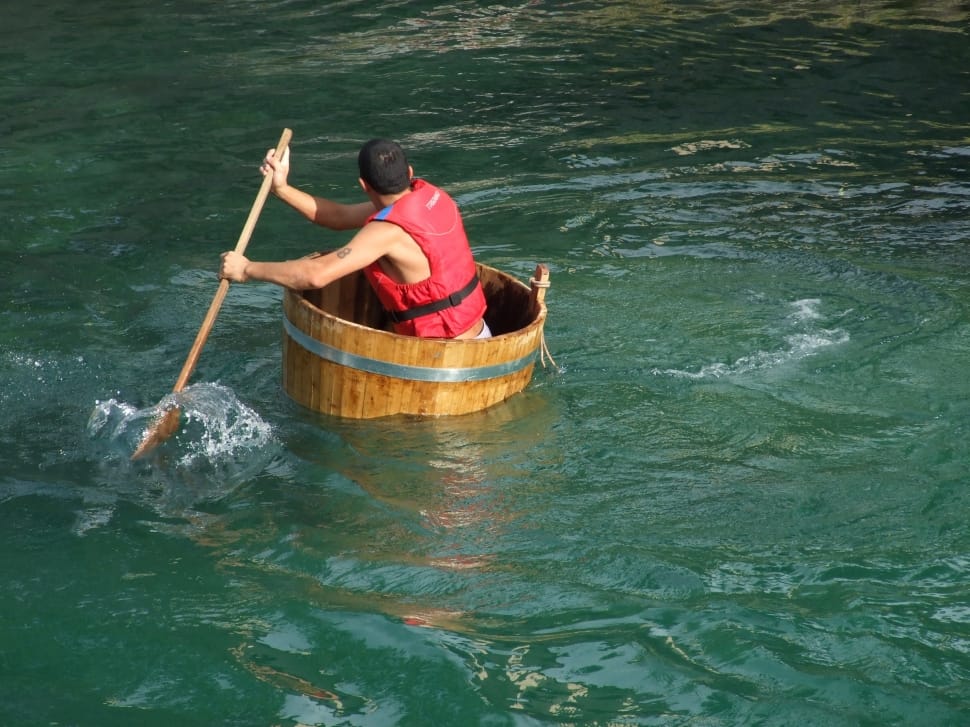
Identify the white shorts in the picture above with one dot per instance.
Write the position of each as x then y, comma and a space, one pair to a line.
485, 332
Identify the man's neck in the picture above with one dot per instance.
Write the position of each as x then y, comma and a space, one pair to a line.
386, 200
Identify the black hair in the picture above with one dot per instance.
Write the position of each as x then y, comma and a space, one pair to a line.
384, 166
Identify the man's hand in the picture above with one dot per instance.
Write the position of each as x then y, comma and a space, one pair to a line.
279, 168
233, 267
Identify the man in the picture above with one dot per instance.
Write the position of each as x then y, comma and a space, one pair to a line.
411, 244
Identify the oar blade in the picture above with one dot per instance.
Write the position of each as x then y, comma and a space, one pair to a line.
162, 428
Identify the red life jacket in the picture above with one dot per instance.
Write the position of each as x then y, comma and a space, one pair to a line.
450, 300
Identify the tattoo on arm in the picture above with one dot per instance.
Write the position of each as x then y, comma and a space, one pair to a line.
343, 252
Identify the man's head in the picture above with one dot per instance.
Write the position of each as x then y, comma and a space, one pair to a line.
384, 166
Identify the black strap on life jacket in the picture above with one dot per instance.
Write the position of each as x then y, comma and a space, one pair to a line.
453, 300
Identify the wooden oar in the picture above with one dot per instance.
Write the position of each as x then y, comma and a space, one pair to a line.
168, 422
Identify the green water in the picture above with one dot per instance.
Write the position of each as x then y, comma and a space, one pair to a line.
740, 495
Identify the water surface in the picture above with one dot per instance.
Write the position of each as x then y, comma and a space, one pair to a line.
739, 495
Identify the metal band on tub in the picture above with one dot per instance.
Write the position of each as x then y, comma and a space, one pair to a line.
402, 371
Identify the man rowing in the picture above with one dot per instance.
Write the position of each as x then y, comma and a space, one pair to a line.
410, 243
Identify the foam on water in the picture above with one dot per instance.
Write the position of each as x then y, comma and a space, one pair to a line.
806, 310
797, 346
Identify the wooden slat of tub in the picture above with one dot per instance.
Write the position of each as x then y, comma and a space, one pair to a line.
368, 386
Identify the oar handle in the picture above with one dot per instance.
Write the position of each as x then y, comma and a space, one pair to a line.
261, 196
247, 232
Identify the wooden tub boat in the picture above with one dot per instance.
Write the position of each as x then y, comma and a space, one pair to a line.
339, 359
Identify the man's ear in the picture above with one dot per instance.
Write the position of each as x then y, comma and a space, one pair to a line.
410, 172
363, 184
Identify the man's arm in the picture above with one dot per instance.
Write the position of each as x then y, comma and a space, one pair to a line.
325, 212
372, 242
322, 211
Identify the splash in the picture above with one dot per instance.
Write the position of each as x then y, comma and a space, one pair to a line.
220, 444
216, 426
225, 425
